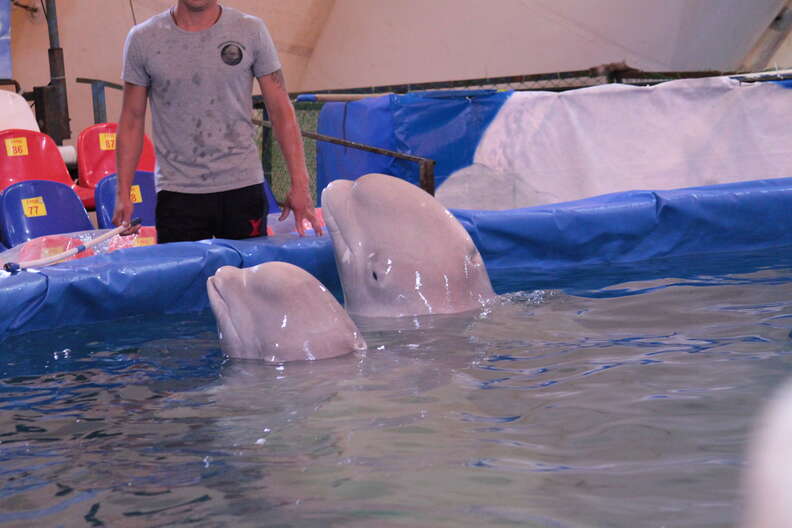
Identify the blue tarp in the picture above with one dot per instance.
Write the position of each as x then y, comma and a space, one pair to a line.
443, 126
5, 40
636, 226
615, 228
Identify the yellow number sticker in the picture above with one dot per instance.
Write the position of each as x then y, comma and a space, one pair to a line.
34, 207
55, 250
107, 141
134, 194
16, 146
144, 241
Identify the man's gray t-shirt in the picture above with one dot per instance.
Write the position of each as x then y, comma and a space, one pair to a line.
200, 90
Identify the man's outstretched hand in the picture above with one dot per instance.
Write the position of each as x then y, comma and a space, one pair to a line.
298, 201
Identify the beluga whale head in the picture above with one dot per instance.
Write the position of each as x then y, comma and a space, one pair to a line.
277, 312
399, 252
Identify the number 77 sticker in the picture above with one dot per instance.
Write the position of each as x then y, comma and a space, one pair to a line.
33, 207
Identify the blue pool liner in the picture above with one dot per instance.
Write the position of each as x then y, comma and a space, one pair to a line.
636, 225
553, 239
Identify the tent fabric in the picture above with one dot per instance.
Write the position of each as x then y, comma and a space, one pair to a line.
616, 228
612, 138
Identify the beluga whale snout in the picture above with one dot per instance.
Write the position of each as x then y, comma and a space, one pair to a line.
399, 252
277, 312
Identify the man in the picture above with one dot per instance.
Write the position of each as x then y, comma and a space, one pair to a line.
196, 63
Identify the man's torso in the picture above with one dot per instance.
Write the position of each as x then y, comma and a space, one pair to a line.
200, 86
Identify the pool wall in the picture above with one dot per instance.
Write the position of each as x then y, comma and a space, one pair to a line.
615, 228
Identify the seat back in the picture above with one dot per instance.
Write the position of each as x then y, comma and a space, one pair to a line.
36, 208
144, 197
30, 155
15, 112
273, 205
96, 149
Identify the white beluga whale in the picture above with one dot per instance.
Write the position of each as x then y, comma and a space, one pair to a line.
767, 481
278, 312
399, 252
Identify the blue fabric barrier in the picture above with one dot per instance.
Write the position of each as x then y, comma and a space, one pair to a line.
368, 121
170, 278
443, 126
619, 228
636, 225
5, 40
313, 254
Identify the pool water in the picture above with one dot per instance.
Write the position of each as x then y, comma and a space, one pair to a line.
614, 397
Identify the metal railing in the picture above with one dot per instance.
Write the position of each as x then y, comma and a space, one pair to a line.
98, 96
426, 166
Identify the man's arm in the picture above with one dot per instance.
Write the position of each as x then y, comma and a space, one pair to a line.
287, 132
129, 144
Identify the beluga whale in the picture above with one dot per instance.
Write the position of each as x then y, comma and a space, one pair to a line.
767, 476
399, 252
278, 312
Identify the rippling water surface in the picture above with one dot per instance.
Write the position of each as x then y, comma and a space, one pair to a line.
616, 397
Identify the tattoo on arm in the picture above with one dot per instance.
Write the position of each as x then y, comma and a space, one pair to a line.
278, 79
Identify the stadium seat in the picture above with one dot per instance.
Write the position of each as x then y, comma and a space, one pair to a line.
96, 149
15, 112
36, 208
144, 196
31, 155
273, 205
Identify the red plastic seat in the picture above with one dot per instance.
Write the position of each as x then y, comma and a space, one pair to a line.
30, 155
96, 146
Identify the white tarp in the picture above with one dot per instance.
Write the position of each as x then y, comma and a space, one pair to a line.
545, 147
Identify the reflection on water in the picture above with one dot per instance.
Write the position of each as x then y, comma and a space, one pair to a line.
616, 403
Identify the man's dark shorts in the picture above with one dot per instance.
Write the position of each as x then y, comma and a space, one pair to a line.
235, 214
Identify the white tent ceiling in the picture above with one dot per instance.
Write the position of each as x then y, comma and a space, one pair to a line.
328, 44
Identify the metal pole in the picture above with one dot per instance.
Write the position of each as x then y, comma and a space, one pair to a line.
60, 130
425, 165
98, 96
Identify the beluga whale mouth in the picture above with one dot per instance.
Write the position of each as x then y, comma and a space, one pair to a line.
277, 312
399, 252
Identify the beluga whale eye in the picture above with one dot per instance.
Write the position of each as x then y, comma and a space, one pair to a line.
374, 274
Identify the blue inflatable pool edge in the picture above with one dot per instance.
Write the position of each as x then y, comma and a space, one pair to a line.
616, 228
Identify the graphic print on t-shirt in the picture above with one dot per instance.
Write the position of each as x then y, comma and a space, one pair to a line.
231, 52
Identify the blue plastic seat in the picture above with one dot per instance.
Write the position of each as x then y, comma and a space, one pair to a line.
144, 196
273, 205
36, 208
